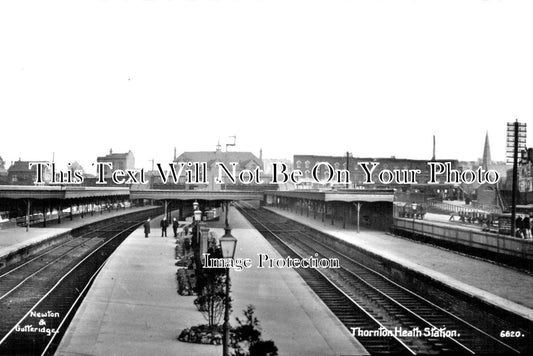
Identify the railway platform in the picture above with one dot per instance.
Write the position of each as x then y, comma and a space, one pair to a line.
503, 287
133, 307
15, 238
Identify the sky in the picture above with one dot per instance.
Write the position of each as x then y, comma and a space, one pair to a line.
375, 78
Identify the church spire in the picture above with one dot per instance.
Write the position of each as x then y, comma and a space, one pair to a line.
486, 153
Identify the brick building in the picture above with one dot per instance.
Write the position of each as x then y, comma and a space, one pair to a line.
305, 163
119, 160
244, 160
19, 173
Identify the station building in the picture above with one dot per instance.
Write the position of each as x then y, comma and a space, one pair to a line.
244, 160
119, 160
3, 172
357, 176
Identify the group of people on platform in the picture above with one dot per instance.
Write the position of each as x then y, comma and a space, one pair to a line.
164, 224
412, 211
487, 221
523, 227
472, 217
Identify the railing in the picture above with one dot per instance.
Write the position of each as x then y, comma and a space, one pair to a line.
453, 208
488, 208
496, 243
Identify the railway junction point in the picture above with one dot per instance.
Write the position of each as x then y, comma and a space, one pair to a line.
501, 286
133, 307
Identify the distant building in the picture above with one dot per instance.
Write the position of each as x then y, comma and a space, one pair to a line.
486, 194
525, 184
3, 172
19, 173
119, 160
268, 164
305, 163
420, 191
244, 160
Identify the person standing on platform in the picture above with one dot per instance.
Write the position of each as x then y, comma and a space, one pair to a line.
519, 227
175, 225
164, 225
527, 227
147, 228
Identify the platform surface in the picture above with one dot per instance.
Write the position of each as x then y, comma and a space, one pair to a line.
133, 307
502, 286
16, 237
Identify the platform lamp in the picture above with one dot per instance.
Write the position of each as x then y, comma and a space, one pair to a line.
197, 219
228, 244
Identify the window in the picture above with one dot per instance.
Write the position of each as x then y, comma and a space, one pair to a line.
307, 163
298, 164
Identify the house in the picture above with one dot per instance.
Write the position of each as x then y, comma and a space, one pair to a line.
118, 160
19, 173
212, 159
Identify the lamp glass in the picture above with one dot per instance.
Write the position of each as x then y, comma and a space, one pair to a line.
228, 245
197, 215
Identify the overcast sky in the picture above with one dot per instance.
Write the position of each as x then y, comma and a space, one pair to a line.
376, 78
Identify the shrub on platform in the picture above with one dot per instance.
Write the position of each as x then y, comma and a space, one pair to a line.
186, 281
245, 339
202, 334
211, 293
248, 335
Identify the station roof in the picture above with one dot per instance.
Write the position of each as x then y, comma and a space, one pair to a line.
348, 195
211, 195
58, 192
75, 192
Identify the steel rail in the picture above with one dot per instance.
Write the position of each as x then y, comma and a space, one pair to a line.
338, 289
58, 283
62, 244
453, 316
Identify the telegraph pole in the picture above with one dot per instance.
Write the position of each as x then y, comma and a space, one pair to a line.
515, 180
348, 167
516, 141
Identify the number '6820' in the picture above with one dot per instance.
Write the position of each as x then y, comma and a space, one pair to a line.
508, 333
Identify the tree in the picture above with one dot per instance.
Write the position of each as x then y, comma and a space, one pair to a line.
76, 166
211, 291
248, 334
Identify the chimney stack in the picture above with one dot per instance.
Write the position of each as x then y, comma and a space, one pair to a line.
434, 157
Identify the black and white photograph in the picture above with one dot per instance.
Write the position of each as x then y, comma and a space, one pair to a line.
266, 177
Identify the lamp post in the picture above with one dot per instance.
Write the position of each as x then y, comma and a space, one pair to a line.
197, 219
414, 207
228, 243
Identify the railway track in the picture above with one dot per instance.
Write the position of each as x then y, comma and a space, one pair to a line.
38, 296
366, 301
